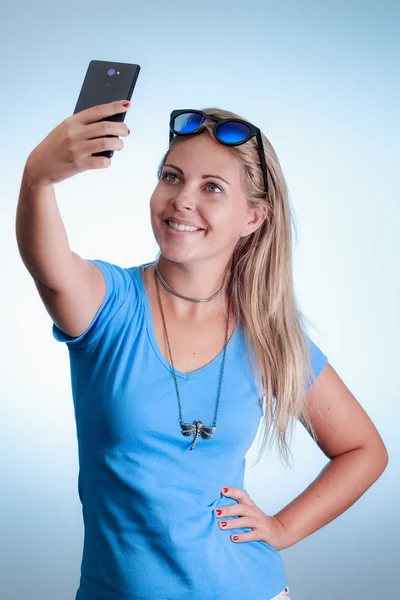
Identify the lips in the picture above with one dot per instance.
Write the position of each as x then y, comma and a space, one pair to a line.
183, 222
181, 233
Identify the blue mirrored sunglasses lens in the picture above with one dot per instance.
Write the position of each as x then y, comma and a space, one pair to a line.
187, 122
232, 132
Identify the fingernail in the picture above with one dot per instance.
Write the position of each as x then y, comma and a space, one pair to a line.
129, 131
126, 103
218, 511
223, 523
225, 490
235, 537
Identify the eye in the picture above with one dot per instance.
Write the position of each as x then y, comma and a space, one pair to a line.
165, 176
216, 185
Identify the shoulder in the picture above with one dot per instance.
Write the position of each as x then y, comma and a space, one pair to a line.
118, 277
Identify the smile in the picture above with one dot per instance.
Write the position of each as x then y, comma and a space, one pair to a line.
180, 230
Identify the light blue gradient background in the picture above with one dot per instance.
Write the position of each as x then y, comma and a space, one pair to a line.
322, 81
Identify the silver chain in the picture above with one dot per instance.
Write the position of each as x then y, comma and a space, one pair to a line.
165, 284
197, 428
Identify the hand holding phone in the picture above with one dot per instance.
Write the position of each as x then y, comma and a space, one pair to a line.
78, 144
87, 139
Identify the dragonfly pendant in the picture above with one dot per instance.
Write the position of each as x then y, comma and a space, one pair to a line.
197, 429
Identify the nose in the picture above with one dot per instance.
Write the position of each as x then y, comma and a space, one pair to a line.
184, 200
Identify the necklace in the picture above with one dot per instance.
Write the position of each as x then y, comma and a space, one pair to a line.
165, 284
197, 428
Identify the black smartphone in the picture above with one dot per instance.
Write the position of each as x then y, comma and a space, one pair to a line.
106, 82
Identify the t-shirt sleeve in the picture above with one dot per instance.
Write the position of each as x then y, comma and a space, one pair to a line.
318, 361
118, 286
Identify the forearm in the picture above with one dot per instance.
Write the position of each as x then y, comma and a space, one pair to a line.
41, 235
339, 485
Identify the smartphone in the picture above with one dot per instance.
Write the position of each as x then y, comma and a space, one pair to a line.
106, 82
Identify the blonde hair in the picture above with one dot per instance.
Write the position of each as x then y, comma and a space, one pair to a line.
259, 282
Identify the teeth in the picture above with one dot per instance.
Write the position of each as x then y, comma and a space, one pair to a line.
182, 227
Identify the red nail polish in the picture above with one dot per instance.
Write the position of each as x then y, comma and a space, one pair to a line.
235, 537
129, 131
224, 490
223, 523
218, 511
125, 103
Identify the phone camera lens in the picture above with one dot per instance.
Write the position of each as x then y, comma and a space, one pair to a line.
111, 72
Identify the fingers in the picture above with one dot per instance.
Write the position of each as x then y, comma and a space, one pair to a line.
101, 111
89, 133
242, 522
233, 510
102, 144
238, 494
91, 147
105, 128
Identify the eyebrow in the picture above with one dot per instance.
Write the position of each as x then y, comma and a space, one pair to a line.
203, 176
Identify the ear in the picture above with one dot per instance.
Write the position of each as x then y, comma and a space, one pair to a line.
256, 217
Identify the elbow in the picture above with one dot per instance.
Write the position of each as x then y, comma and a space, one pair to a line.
385, 458
378, 457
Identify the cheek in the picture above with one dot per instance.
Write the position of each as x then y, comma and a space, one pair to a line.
154, 198
154, 209
228, 222
156, 203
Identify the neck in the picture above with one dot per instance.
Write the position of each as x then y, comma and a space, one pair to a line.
199, 280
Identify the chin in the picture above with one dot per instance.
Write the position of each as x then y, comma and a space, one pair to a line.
176, 255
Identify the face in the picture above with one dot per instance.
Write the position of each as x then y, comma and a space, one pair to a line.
200, 183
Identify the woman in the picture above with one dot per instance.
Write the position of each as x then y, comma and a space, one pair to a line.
174, 362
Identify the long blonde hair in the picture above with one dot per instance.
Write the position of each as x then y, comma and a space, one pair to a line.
259, 282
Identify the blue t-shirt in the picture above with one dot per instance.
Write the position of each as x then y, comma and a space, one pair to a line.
148, 502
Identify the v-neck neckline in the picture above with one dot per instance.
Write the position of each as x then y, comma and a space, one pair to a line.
217, 360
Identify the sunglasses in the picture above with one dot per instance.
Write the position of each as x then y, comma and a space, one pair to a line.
231, 132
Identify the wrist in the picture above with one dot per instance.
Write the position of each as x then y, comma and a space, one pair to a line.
284, 538
31, 178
